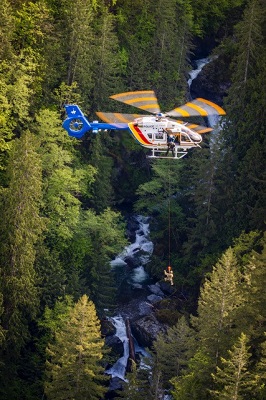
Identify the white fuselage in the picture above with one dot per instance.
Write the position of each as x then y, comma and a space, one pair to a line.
155, 129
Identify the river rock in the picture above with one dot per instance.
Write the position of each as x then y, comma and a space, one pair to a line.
211, 83
132, 227
115, 384
107, 327
155, 289
146, 329
116, 345
166, 287
144, 308
132, 261
153, 298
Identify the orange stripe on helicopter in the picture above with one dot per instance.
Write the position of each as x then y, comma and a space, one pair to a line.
138, 134
115, 96
204, 130
182, 112
200, 110
141, 99
210, 103
120, 117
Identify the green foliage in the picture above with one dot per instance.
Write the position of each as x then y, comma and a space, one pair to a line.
219, 300
169, 317
64, 180
213, 14
234, 378
194, 383
20, 203
59, 231
173, 350
73, 361
106, 232
137, 385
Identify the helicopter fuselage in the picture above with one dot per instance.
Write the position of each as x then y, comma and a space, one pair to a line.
154, 131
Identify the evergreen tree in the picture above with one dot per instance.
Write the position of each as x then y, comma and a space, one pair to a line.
173, 350
137, 385
63, 177
20, 204
107, 61
170, 48
7, 27
21, 228
74, 360
233, 378
244, 145
2, 332
260, 373
253, 315
219, 300
194, 383
102, 191
106, 233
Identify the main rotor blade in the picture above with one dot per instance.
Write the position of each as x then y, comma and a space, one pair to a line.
197, 107
197, 128
117, 117
144, 99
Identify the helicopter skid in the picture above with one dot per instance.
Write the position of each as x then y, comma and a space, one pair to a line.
179, 152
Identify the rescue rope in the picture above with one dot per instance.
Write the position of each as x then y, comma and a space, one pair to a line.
169, 213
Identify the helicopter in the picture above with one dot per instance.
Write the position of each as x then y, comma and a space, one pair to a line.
154, 131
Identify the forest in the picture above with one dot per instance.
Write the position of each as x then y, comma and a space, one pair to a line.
64, 202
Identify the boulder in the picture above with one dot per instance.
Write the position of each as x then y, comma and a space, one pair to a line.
146, 329
155, 289
153, 298
107, 327
211, 83
116, 345
144, 308
166, 287
115, 384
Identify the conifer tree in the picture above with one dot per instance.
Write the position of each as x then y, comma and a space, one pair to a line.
233, 377
194, 383
137, 385
106, 233
244, 146
173, 350
20, 230
253, 316
260, 373
2, 332
219, 300
74, 368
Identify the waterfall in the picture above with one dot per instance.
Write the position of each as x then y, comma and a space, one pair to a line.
194, 73
213, 120
119, 368
140, 250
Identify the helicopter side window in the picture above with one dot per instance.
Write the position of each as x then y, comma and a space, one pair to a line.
159, 135
185, 137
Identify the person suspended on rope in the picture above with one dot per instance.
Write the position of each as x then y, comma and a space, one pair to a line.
169, 275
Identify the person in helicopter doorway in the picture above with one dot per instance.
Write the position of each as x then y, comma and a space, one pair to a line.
170, 144
169, 275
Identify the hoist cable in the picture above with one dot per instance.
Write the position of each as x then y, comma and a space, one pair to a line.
169, 214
